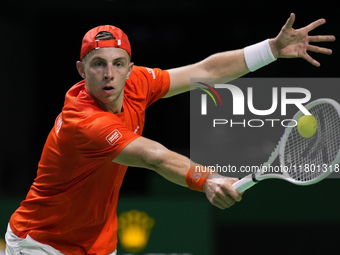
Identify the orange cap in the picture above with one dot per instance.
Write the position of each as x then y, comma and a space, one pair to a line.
89, 42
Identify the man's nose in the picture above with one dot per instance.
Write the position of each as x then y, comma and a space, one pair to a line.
109, 72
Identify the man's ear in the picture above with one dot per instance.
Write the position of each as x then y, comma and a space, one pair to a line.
130, 70
81, 69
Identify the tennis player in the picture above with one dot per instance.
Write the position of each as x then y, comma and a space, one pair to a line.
71, 206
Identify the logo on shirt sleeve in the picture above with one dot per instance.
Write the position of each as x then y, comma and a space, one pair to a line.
152, 72
59, 123
113, 137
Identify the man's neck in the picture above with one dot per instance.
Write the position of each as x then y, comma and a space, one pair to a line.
114, 107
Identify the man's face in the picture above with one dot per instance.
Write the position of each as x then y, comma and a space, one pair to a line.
106, 71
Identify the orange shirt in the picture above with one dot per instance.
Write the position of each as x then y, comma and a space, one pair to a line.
72, 203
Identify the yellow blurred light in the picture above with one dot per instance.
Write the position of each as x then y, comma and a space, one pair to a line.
134, 228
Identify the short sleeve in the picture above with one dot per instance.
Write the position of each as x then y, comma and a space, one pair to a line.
102, 138
156, 82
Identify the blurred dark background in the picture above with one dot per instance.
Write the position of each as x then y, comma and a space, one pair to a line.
40, 44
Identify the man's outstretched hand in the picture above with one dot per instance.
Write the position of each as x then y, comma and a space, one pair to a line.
220, 192
294, 43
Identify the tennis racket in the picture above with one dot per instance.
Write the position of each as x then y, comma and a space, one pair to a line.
304, 161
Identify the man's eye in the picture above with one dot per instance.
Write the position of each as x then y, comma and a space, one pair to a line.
98, 64
119, 64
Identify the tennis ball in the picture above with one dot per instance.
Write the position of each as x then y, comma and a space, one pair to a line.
307, 126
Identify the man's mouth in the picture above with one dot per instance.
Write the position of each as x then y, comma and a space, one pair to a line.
108, 89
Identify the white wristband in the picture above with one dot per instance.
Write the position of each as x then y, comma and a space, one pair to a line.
258, 55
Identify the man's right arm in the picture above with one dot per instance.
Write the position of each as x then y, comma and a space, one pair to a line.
145, 153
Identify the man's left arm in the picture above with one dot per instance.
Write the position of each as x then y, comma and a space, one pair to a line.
289, 43
229, 64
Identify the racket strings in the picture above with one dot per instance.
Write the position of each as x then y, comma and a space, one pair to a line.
306, 159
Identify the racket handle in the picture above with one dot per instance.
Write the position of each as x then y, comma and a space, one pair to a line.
244, 184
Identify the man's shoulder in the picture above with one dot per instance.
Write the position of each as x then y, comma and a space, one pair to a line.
144, 78
146, 72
